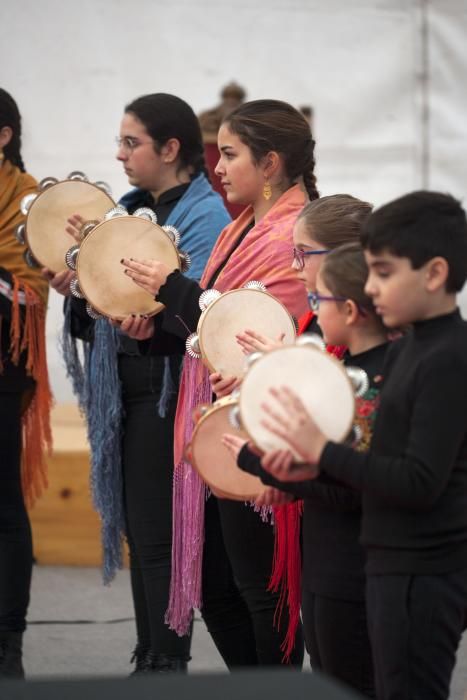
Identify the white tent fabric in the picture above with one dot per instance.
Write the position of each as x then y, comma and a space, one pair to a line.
385, 77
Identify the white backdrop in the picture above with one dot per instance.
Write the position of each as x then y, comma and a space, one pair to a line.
386, 79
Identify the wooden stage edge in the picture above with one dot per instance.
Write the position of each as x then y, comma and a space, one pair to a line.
66, 529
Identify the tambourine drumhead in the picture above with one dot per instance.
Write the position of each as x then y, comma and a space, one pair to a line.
47, 219
213, 461
101, 275
317, 378
232, 313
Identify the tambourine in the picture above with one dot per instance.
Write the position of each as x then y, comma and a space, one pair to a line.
100, 277
225, 315
325, 386
46, 214
213, 461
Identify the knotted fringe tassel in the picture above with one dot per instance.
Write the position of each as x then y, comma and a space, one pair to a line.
286, 570
188, 518
29, 336
75, 367
104, 414
97, 386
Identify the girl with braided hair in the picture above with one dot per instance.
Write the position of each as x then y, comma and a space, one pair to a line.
25, 397
222, 551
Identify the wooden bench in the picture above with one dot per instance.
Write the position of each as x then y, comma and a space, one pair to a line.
66, 529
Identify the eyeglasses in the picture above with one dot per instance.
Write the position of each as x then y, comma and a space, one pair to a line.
299, 256
314, 300
129, 143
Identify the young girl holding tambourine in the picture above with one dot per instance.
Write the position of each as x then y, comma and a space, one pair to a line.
333, 584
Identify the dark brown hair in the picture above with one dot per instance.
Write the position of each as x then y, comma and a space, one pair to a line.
272, 125
344, 272
165, 117
335, 220
420, 226
10, 116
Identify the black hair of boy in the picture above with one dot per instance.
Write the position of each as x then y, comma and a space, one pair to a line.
420, 226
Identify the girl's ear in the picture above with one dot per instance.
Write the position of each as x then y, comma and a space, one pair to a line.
170, 150
6, 134
351, 312
270, 164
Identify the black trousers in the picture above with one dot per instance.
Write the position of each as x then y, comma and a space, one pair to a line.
336, 637
15, 529
237, 608
415, 624
147, 478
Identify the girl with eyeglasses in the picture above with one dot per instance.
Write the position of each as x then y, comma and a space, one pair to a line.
323, 224
332, 587
161, 150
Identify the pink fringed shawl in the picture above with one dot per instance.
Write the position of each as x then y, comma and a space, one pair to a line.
265, 254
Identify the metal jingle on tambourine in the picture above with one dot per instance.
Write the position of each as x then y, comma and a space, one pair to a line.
207, 297
47, 182
199, 411
357, 433
86, 228
252, 358
104, 186
75, 289
26, 202
185, 261
311, 339
234, 418
91, 311
71, 257
255, 284
173, 233
19, 234
146, 213
192, 346
77, 175
359, 379
295, 323
30, 259
115, 211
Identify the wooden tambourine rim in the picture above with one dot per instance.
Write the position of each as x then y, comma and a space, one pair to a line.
222, 403
206, 312
47, 192
95, 231
292, 348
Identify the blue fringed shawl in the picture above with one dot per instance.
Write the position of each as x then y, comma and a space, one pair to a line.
199, 216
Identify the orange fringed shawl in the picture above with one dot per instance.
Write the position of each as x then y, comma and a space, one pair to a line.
27, 332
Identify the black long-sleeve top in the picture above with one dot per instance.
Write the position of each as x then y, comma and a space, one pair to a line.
333, 559
414, 479
82, 325
180, 296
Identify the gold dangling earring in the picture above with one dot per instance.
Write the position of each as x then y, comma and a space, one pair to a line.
267, 191
2, 156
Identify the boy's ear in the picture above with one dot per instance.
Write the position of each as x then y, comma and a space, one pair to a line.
437, 272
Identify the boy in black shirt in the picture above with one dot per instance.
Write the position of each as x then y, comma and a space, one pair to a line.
414, 479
